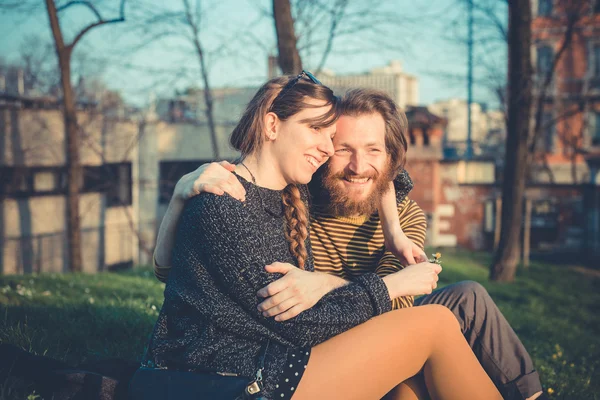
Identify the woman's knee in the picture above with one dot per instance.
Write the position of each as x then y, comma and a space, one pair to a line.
442, 317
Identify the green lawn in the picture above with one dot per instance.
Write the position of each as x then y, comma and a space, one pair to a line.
554, 309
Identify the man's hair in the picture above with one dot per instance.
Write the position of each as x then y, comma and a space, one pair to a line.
357, 102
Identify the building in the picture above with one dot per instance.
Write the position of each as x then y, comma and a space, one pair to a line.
484, 123
571, 112
402, 87
33, 187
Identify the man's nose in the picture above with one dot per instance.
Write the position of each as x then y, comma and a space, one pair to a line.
357, 164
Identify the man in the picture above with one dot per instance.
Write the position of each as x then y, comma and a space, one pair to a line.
347, 238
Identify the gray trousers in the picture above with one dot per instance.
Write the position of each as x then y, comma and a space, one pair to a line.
496, 345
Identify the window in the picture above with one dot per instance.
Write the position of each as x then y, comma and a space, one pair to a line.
411, 136
545, 8
544, 61
31, 181
596, 59
118, 192
112, 179
170, 173
596, 129
546, 140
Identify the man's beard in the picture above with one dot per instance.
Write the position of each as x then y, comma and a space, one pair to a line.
340, 204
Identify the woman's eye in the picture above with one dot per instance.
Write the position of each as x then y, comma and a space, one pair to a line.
316, 128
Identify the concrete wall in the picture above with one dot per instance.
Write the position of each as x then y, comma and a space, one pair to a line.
33, 228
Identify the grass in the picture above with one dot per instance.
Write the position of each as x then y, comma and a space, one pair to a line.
75, 318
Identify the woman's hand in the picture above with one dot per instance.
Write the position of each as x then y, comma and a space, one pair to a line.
296, 291
414, 280
407, 252
216, 178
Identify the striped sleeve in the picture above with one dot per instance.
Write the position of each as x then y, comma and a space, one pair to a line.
414, 225
388, 264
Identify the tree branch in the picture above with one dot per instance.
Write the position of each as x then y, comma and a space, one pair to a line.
100, 21
572, 19
336, 16
83, 3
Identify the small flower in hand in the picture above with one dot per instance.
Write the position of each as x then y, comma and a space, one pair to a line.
436, 258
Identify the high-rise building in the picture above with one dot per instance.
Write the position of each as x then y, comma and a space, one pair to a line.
402, 87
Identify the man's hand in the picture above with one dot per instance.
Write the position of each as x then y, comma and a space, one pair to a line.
297, 290
407, 252
418, 279
414, 280
216, 178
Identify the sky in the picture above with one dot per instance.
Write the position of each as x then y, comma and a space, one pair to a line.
238, 36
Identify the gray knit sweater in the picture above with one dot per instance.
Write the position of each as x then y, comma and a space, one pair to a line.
210, 319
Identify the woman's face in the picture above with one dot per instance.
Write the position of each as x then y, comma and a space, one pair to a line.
299, 147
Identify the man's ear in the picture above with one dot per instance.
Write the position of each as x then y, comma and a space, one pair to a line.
271, 126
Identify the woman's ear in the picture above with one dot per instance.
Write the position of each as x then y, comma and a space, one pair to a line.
271, 126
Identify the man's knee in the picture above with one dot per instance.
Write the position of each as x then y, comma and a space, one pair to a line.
470, 290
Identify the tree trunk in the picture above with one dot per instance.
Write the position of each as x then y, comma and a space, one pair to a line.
71, 143
289, 58
520, 76
208, 99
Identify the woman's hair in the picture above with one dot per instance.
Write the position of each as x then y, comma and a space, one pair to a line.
285, 99
358, 102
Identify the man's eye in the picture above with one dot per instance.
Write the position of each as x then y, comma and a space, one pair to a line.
316, 128
375, 150
341, 150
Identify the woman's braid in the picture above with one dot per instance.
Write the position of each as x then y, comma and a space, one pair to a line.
296, 218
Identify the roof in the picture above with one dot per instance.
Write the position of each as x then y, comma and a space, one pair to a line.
420, 116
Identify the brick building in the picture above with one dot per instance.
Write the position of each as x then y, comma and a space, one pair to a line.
571, 112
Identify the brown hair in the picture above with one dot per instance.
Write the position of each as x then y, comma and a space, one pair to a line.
248, 137
358, 102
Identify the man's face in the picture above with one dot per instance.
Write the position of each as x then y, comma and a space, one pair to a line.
358, 173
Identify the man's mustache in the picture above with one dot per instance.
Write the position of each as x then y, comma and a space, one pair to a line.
348, 176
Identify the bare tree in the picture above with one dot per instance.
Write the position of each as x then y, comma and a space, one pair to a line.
64, 52
571, 14
187, 21
491, 37
520, 74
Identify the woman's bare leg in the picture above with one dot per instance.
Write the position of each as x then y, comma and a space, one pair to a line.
411, 389
369, 360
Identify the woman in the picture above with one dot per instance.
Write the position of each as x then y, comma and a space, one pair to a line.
336, 349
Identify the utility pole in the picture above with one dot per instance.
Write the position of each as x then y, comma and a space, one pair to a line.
469, 149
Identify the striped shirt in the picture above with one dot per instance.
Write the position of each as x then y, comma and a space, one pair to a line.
350, 246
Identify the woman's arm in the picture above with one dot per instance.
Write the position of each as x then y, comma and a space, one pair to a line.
217, 236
